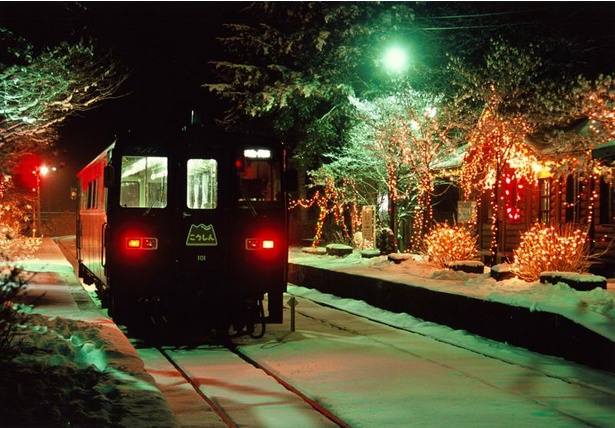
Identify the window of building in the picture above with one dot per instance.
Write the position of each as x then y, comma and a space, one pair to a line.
573, 200
544, 203
607, 202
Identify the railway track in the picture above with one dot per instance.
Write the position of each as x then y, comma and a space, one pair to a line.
241, 392
336, 349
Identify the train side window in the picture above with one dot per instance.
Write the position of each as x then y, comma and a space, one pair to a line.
202, 192
144, 182
91, 195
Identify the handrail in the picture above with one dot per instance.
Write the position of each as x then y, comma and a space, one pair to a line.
103, 244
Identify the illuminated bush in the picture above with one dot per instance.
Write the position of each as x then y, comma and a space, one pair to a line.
546, 248
446, 244
16, 248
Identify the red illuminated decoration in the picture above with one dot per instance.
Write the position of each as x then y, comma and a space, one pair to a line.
514, 194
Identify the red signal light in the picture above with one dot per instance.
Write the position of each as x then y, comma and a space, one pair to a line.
268, 244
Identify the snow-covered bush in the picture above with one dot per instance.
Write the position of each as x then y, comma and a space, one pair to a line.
385, 241
445, 244
546, 248
11, 281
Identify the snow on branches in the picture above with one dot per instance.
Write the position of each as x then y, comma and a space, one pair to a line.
42, 90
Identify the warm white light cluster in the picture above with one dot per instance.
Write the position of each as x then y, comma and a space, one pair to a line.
447, 243
17, 247
546, 248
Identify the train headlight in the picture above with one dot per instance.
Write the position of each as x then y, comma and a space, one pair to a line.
142, 243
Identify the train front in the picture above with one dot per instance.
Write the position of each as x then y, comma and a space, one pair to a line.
200, 229
231, 228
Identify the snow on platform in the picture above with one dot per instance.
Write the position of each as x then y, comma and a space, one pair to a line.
93, 375
552, 319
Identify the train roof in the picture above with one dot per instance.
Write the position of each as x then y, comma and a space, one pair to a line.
103, 155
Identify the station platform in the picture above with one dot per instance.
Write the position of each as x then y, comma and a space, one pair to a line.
574, 334
53, 291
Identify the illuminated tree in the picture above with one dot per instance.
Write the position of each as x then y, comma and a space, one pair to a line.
597, 104
410, 134
333, 201
289, 68
528, 117
514, 98
295, 64
591, 101
39, 90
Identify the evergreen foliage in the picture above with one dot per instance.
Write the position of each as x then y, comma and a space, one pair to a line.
385, 241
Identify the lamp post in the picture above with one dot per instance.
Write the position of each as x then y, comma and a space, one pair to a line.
39, 172
395, 60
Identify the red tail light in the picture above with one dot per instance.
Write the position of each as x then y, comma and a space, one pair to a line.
254, 244
142, 243
133, 243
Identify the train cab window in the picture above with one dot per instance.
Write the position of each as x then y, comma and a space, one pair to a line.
144, 182
259, 176
202, 192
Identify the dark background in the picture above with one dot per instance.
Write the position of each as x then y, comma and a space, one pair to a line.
167, 47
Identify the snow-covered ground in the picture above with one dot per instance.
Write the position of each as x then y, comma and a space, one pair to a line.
375, 376
76, 367
594, 309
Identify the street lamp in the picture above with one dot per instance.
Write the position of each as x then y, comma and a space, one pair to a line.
395, 59
39, 172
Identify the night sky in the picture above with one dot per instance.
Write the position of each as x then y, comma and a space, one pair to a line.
167, 46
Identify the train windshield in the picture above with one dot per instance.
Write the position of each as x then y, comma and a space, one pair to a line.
259, 176
202, 184
144, 182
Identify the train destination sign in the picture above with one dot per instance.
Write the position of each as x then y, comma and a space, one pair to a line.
201, 236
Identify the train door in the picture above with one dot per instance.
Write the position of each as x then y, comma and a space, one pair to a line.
203, 255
